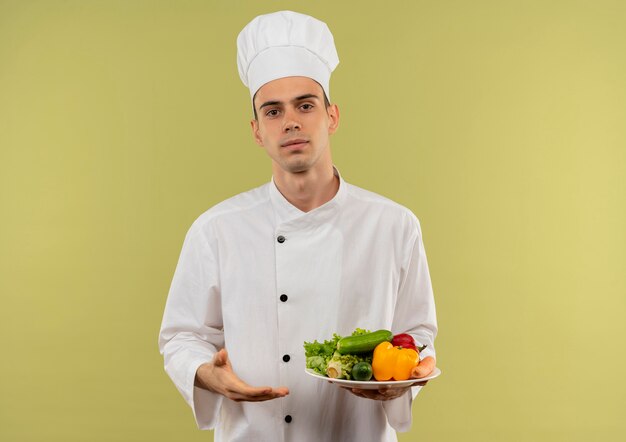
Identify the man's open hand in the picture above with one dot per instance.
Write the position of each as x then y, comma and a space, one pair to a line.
218, 376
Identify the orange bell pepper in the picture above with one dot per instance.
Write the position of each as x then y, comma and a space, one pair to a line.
391, 362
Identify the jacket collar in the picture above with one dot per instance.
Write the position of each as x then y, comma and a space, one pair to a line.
288, 213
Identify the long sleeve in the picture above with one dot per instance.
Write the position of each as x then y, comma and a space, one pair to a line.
191, 330
414, 314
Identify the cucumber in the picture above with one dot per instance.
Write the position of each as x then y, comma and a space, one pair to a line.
363, 343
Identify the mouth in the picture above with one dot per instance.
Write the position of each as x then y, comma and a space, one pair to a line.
296, 143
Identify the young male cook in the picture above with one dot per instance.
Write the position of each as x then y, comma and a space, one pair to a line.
297, 259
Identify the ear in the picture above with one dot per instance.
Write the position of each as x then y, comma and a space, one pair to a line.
254, 125
333, 117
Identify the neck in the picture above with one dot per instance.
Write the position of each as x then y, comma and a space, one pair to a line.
307, 190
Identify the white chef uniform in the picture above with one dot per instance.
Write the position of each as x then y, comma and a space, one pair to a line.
260, 277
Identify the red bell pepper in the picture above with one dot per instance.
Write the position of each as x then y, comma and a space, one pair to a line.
404, 340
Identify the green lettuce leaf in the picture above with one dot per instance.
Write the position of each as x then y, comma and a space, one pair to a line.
319, 353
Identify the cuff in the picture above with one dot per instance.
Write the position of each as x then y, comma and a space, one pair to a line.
204, 404
398, 410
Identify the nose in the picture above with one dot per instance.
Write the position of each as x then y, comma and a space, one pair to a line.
291, 122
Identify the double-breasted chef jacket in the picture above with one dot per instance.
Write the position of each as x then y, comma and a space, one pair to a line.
260, 277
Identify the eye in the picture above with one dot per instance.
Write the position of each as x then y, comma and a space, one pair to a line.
306, 107
272, 113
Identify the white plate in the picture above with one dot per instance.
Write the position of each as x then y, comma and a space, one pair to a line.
373, 384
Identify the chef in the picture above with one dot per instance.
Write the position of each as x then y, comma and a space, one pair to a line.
296, 259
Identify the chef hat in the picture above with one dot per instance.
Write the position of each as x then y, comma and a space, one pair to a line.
285, 44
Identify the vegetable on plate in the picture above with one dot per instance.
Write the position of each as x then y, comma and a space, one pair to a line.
364, 356
362, 371
395, 363
364, 342
404, 340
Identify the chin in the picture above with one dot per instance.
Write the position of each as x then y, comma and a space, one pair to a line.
296, 167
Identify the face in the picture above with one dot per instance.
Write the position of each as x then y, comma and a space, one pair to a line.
294, 125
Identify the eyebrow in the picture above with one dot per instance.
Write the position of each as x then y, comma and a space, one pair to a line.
299, 98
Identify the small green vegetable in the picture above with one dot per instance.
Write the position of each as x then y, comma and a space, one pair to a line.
364, 342
362, 371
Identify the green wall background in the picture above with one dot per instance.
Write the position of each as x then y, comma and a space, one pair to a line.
499, 123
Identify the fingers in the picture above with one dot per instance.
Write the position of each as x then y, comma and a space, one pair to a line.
255, 394
220, 358
218, 377
238, 390
381, 394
